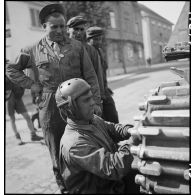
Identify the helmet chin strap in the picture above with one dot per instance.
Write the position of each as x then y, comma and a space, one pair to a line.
75, 113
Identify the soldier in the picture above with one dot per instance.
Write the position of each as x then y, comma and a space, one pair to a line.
77, 30
94, 38
54, 59
91, 161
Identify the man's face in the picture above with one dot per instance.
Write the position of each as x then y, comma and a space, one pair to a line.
77, 32
55, 27
85, 104
96, 41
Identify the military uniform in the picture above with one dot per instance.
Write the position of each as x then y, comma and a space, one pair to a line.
96, 61
109, 109
79, 20
90, 160
50, 70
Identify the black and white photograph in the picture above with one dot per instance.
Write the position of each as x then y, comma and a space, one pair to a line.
97, 97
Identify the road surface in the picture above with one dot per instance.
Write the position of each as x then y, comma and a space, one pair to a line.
28, 167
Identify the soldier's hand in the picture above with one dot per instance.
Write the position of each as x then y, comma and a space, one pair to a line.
134, 137
97, 110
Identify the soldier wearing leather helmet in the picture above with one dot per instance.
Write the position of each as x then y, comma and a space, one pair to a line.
89, 146
66, 96
53, 59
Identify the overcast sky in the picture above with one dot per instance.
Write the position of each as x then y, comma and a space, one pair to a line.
168, 9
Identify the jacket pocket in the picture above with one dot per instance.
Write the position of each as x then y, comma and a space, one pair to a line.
44, 69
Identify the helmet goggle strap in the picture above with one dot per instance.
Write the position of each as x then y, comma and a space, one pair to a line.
74, 109
74, 106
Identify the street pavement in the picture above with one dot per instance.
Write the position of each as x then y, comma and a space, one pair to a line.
28, 167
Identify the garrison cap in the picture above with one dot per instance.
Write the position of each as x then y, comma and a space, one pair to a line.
75, 21
49, 9
94, 31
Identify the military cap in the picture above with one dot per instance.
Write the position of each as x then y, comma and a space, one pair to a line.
75, 21
94, 31
49, 9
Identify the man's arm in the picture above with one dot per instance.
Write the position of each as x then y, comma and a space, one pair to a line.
97, 64
90, 75
100, 162
14, 71
118, 132
95, 59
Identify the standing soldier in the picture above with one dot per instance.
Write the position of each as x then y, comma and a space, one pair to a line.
94, 38
77, 30
54, 59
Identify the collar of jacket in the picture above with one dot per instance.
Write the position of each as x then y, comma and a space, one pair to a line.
45, 46
81, 125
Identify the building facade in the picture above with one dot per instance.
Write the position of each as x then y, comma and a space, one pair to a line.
22, 25
135, 33
124, 38
156, 34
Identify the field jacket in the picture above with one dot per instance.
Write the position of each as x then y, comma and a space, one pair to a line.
90, 159
96, 61
50, 70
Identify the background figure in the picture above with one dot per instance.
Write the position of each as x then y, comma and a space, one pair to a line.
148, 61
94, 38
35, 116
14, 100
54, 59
77, 30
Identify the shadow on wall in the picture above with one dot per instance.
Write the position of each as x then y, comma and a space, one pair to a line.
124, 81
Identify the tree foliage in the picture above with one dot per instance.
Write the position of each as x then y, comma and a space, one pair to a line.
94, 11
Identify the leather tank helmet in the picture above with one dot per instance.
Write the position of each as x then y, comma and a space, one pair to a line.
66, 96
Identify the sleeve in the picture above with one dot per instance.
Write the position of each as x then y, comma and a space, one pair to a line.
14, 71
104, 67
118, 132
90, 75
8, 84
97, 65
112, 166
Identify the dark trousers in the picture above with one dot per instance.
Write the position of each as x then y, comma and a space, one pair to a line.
109, 110
53, 128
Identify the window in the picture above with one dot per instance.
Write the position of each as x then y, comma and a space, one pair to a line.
34, 14
129, 51
126, 25
112, 20
159, 24
116, 58
7, 15
115, 52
